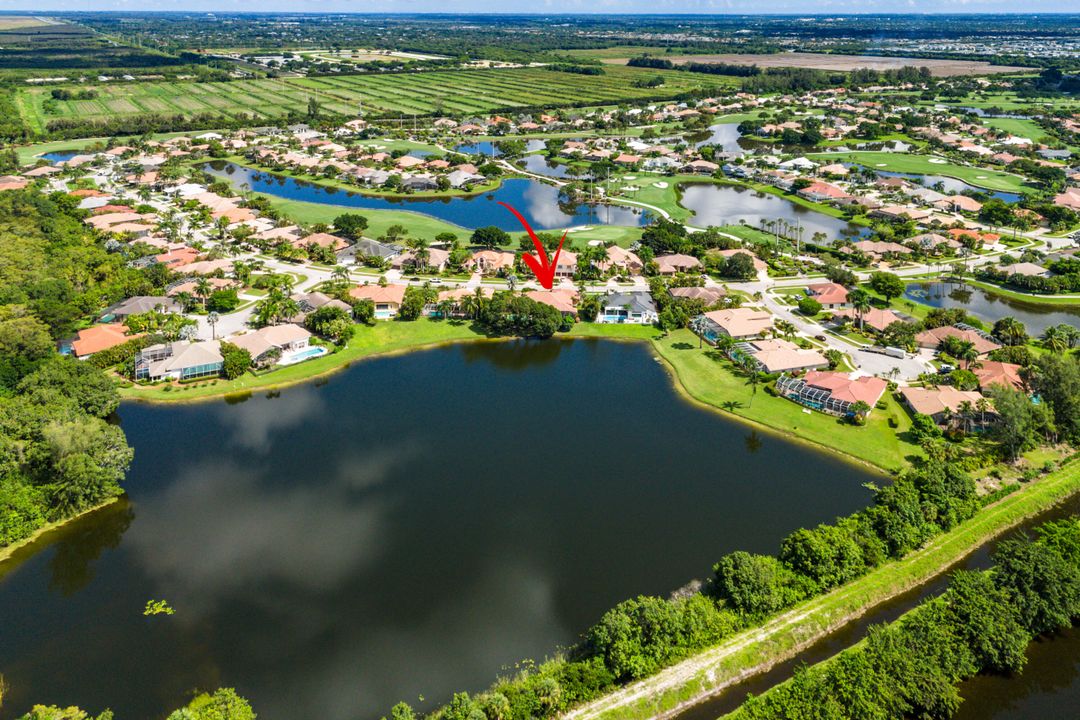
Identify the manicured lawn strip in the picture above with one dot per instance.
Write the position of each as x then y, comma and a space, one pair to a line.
308, 213
920, 164
716, 384
385, 337
785, 635
1025, 297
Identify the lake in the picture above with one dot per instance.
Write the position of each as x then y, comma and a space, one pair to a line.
949, 185
410, 526
730, 204
992, 307
490, 149
727, 137
539, 202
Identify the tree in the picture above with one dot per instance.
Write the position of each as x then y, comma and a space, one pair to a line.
237, 361
416, 298
1018, 420
1010, 331
490, 237
350, 225
809, 306
364, 311
1040, 583
987, 621
757, 585
330, 322
860, 301
66, 381
224, 704
887, 284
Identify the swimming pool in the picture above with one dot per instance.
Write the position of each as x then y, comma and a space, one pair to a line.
301, 355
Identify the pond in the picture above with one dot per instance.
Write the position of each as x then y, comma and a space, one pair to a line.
727, 137
490, 149
539, 202
410, 526
730, 204
540, 165
991, 307
950, 185
59, 156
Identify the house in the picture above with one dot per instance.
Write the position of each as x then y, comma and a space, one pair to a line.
489, 262
877, 248
321, 239
310, 302
566, 264
900, 212
778, 356
933, 338
991, 372
436, 260
368, 248
707, 295
940, 403
266, 345
959, 203
1026, 269
565, 301
831, 295
621, 261
738, 323
139, 305
759, 264
676, 263
818, 191
877, 319
96, 338
627, 307
387, 298
180, 360
700, 167
832, 392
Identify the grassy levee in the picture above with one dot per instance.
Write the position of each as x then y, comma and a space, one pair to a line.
783, 636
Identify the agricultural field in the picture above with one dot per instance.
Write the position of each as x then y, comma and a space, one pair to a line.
18, 22
455, 92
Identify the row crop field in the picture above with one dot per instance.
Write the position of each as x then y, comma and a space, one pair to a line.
453, 92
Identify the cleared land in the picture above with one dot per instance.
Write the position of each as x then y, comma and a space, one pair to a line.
821, 61
17, 22
397, 94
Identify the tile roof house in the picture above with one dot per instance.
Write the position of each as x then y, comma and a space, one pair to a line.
991, 372
266, 344
830, 295
776, 356
708, 295
738, 323
621, 260
939, 403
876, 319
676, 263
387, 298
933, 338
139, 305
832, 392
489, 262
96, 338
565, 301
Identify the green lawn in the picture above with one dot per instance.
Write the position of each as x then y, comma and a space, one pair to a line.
920, 164
1021, 127
702, 379
715, 383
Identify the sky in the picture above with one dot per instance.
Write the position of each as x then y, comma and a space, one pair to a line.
559, 6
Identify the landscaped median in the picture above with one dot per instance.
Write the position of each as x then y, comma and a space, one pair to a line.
785, 635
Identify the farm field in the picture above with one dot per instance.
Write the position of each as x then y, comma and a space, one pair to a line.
456, 92
18, 22
822, 61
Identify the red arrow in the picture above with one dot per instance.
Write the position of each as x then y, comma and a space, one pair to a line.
541, 267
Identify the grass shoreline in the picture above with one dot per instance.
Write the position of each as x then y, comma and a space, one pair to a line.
694, 376
756, 650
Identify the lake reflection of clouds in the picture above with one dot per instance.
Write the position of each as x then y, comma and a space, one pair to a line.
253, 427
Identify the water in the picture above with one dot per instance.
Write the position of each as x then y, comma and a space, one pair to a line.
540, 165
540, 203
729, 204
60, 156
950, 185
728, 137
992, 307
409, 526
490, 149
984, 696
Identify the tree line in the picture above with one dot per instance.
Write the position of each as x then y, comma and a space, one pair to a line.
981, 624
640, 636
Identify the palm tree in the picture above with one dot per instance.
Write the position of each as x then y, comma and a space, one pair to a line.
203, 289
1010, 331
860, 301
213, 318
339, 276
1055, 340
